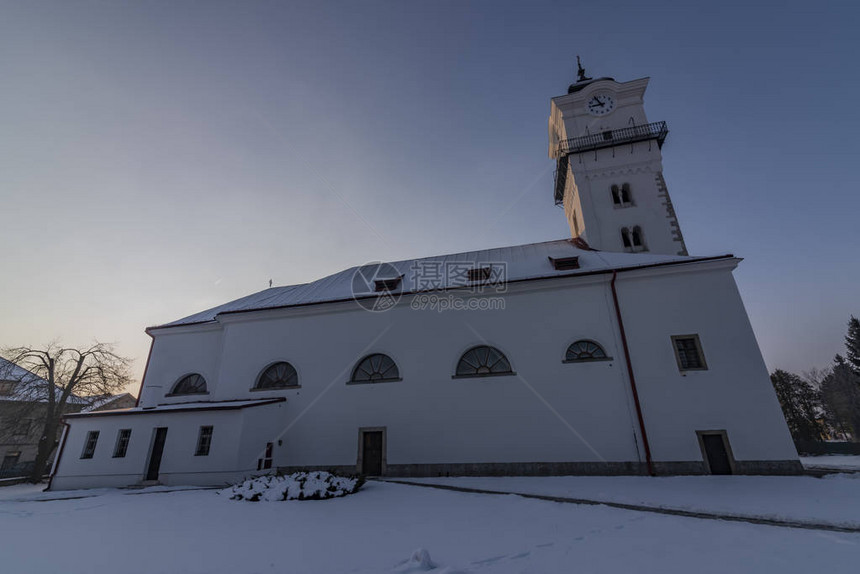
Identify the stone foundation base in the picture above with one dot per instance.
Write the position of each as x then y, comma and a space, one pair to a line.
779, 467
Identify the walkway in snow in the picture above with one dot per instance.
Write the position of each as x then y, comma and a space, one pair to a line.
832, 502
808, 525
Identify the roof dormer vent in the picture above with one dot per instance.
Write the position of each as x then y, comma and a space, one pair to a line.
392, 284
564, 263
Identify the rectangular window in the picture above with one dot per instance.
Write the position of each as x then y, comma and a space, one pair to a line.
90, 445
22, 428
204, 441
10, 460
122, 439
688, 352
267, 460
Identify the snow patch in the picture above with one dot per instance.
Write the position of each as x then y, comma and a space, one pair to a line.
419, 562
317, 485
832, 461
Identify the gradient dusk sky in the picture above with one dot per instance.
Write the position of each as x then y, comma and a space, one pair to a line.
159, 158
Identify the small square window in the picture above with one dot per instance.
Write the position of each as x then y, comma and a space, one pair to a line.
204, 441
10, 460
688, 353
90, 445
121, 446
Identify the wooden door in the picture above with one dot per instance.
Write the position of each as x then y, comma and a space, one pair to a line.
155, 454
371, 459
718, 455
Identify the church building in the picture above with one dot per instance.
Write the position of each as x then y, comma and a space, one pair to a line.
613, 351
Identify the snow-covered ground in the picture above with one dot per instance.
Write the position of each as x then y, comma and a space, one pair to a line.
834, 499
379, 529
837, 461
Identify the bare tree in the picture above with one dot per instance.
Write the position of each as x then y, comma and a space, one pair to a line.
56, 377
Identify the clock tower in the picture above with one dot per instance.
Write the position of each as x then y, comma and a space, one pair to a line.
609, 175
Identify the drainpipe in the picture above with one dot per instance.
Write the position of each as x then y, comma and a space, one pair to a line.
632, 378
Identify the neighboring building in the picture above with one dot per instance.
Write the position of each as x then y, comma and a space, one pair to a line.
22, 412
630, 359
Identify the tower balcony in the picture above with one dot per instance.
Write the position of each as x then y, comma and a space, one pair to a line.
656, 131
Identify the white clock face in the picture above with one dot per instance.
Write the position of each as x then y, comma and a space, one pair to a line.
600, 104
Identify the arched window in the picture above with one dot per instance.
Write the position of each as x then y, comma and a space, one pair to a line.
621, 195
278, 376
637, 239
483, 361
193, 384
376, 368
625, 238
625, 193
585, 350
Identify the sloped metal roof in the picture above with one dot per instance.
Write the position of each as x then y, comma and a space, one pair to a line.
521, 262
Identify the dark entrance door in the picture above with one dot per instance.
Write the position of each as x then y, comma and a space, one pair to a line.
371, 453
155, 455
718, 456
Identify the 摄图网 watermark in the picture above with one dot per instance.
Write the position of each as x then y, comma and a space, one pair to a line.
379, 286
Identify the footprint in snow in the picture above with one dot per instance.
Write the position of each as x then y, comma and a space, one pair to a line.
492, 560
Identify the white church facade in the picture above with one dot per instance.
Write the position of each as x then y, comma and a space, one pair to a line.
612, 352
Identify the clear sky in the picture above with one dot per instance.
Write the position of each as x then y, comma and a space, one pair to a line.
159, 158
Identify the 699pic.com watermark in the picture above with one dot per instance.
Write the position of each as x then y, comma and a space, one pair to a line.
442, 303
432, 278
378, 286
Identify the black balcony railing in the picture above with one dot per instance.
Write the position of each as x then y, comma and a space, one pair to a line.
656, 131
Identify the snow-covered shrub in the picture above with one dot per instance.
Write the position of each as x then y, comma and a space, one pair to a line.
315, 485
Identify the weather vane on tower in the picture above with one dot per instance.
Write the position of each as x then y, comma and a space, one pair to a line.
580, 71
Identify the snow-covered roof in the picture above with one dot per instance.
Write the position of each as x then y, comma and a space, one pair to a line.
190, 406
9, 371
521, 262
27, 386
102, 401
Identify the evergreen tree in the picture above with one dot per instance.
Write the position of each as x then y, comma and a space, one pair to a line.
800, 404
840, 390
840, 393
852, 345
